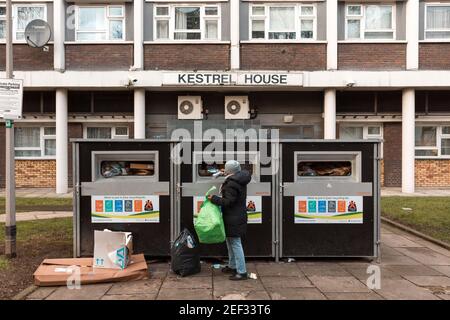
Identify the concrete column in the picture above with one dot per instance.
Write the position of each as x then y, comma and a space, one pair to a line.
408, 140
412, 34
138, 16
59, 30
329, 117
61, 141
139, 113
234, 35
332, 34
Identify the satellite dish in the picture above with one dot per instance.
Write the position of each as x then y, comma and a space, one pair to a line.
37, 33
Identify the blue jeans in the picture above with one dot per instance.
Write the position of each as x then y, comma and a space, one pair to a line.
236, 254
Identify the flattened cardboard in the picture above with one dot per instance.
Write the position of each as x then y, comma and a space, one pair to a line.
51, 272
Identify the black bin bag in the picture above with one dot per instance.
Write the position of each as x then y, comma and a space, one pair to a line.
185, 255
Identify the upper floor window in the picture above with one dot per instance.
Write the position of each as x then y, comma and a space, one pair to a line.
100, 23
437, 21
283, 22
22, 14
2, 22
187, 22
371, 22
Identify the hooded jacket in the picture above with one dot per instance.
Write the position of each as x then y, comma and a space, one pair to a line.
233, 202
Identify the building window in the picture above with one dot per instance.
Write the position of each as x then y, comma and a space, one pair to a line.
106, 132
432, 141
283, 22
437, 21
361, 132
24, 14
180, 22
35, 142
370, 22
2, 23
100, 23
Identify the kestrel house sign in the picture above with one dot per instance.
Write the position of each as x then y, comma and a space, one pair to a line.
232, 79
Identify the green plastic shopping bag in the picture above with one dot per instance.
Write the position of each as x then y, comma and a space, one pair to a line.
209, 224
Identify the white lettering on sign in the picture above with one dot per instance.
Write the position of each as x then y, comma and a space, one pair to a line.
232, 78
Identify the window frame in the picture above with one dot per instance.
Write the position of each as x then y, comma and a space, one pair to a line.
362, 24
112, 128
297, 22
439, 137
425, 30
15, 18
3, 18
108, 18
203, 18
42, 138
366, 134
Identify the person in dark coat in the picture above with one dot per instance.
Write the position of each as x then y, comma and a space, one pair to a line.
234, 210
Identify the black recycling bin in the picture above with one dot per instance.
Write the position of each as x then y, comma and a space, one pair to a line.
329, 205
122, 185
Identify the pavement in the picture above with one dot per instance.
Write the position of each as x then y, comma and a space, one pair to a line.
419, 192
38, 193
411, 268
38, 215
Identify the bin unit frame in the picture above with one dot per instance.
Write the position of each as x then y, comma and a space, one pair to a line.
190, 185
277, 189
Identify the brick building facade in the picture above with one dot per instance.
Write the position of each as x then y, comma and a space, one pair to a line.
367, 69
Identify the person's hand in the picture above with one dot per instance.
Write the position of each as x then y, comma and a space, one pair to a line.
210, 197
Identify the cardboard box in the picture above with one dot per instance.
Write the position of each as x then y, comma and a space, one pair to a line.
112, 249
57, 272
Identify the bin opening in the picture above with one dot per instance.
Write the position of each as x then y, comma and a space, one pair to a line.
127, 168
324, 168
207, 170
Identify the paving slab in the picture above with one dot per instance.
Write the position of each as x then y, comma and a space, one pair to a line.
338, 284
426, 256
136, 287
434, 247
146, 296
226, 285
41, 293
398, 241
187, 283
184, 294
86, 292
241, 295
360, 272
324, 269
285, 282
389, 251
296, 294
430, 281
393, 289
398, 261
445, 270
419, 270
278, 269
353, 296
